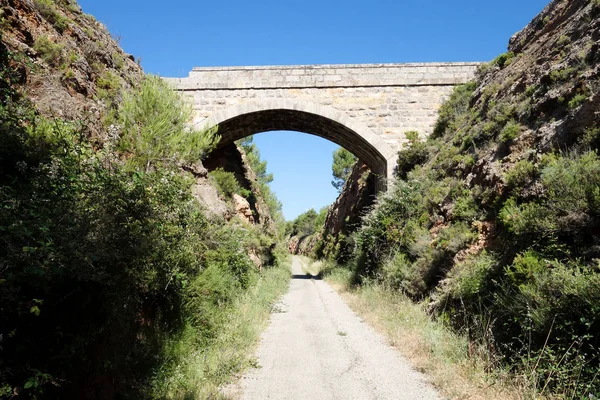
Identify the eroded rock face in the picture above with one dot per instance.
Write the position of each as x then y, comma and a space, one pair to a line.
232, 158
358, 194
242, 208
69, 82
208, 196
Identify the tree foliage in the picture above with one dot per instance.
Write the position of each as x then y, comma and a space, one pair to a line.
343, 161
308, 222
155, 124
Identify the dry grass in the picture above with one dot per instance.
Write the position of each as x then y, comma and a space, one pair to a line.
429, 346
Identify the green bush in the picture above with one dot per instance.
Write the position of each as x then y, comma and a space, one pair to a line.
48, 10
465, 208
562, 74
415, 154
571, 200
155, 119
455, 237
468, 279
49, 51
505, 59
118, 60
227, 183
577, 100
520, 175
590, 139
510, 132
398, 274
454, 111
108, 85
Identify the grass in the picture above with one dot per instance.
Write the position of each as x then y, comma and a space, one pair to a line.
200, 372
450, 362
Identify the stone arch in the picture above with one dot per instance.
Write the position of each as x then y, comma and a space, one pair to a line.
254, 117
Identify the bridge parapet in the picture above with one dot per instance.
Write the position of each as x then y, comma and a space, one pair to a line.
326, 76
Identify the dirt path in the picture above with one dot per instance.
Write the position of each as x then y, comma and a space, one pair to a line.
316, 348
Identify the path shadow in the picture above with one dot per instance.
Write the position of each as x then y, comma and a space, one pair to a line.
306, 276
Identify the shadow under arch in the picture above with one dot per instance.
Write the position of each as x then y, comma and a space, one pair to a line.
249, 118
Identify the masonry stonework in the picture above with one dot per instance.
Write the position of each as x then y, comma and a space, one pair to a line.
364, 108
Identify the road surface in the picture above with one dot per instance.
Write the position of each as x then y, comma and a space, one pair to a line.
316, 348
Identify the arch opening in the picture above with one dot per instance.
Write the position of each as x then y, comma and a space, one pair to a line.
251, 118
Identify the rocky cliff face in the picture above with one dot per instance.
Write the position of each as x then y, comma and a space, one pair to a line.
252, 209
547, 83
70, 67
68, 64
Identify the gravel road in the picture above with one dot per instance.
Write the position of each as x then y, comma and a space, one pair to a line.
316, 348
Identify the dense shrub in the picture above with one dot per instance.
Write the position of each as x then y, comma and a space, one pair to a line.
416, 153
227, 183
104, 261
155, 122
49, 51
49, 11
453, 111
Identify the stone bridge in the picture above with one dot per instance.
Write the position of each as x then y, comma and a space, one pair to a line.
363, 108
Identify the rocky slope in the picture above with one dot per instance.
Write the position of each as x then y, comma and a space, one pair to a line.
70, 67
494, 219
345, 214
68, 64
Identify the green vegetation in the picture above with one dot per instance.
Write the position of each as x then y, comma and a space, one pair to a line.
503, 252
504, 60
227, 184
118, 61
343, 161
48, 10
415, 154
109, 86
49, 51
562, 74
307, 223
577, 100
259, 167
196, 370
510, 131
155, 126
106, 251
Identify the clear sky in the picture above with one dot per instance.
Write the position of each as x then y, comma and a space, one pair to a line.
172, 37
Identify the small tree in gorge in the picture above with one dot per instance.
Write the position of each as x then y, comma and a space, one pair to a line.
343, 161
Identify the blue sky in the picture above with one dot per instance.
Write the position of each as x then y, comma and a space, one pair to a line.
171, 38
